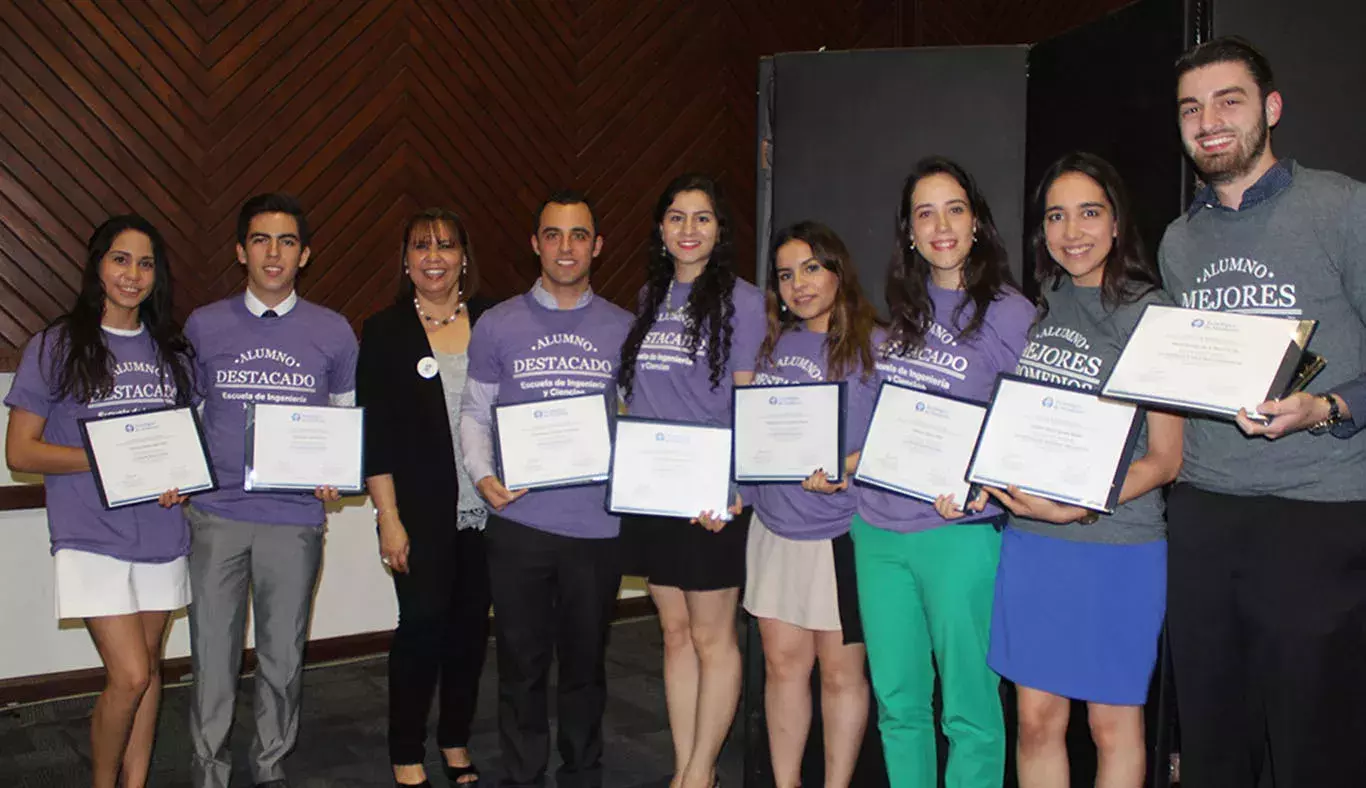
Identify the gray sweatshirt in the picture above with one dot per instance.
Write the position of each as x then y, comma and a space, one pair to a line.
1296, 248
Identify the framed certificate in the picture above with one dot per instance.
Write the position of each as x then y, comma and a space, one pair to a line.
302, 447
1055, 442
784, 433
919, 444
1213, 363
553, 442
670, 468
137, 457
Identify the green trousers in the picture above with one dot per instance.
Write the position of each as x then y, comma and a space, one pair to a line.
925, 599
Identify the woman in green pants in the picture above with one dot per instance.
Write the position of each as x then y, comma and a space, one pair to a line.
926, 570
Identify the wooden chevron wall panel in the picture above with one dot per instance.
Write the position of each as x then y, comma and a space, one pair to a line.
369, 110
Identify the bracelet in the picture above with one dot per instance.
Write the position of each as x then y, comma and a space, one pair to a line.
1334, 415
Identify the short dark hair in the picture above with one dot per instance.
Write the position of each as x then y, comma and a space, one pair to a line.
568, 197
1229, 49
273, 202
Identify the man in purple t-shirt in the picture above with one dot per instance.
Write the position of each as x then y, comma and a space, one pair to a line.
265, 346
553, 567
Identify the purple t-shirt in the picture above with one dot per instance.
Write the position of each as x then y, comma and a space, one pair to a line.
76, 519
298, 358
533, 353
965, 369
670, 384
787, 509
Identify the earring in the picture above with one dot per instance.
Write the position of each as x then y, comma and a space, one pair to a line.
782, 308
912, 246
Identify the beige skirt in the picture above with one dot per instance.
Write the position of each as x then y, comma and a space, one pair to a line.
791, 580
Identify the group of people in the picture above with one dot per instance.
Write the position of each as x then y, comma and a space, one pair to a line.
1246, 539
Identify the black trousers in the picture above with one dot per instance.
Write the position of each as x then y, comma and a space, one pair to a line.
1266, 610
442, 636
552, 596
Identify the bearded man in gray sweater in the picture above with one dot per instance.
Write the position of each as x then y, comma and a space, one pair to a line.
1267, 523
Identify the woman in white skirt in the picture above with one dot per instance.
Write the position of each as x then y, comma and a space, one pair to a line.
122, 570
800, 560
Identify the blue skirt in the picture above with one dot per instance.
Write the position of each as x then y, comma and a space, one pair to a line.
1078, 619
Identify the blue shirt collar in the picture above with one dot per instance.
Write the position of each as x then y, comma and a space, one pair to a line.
1273, 182
545, 299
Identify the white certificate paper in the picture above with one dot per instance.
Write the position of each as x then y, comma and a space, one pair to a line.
553, 442
1058, 443
919, 444
670, 469
784, 433
302, 447
1207, 362
137, 457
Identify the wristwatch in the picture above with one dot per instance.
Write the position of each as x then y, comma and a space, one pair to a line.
1334, 415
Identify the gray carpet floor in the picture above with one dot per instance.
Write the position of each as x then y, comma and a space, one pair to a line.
342, 734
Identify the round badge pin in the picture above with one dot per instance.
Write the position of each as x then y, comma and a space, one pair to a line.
427, 367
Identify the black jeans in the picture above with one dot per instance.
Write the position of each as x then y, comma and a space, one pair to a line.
1266, 610
552, 596
442, 636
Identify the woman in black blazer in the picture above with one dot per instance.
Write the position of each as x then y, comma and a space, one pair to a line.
430, 518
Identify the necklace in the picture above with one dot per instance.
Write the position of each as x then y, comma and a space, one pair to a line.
459, 307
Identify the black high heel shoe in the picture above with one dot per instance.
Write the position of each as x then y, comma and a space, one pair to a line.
454, 773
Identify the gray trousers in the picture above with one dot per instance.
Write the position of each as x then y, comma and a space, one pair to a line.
280, 565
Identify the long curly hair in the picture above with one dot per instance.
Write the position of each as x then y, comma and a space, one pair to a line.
84, 366
1128, 274
985, 272
710, 306
848, 342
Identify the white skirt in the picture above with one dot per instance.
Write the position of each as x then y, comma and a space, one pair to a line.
90, 585
791, 580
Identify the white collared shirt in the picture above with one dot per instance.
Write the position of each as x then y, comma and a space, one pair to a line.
258, 307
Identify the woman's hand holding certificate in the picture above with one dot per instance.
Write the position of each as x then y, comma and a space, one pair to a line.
919, 444
783, 433
148, 456
671, 469
1055, 442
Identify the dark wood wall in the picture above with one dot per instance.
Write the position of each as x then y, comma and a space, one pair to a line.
372, 109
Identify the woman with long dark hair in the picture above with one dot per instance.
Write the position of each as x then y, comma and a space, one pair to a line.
410, 375
696, 334
800, 561
926, 572
1080, 596
118, 351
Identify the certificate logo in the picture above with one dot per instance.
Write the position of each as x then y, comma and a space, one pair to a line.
296, 416
1197, 323
129, 428
919, 406
548, 413
1048, 402
773, 400
789, 400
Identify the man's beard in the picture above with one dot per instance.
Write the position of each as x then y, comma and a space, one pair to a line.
1227, 166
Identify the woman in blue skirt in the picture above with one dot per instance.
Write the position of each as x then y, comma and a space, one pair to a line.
1080, 597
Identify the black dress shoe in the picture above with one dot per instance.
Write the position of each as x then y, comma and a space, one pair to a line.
280, 783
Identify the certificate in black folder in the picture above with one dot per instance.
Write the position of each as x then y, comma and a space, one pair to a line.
137, 457
1212, 363
297, 448
549, 443
919, 444
670, 468
783, 433
1056, 442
